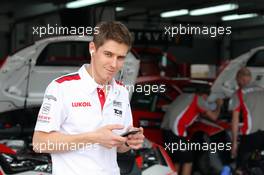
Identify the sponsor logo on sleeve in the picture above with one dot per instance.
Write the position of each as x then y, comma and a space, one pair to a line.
43, 118
45, 108
50, 97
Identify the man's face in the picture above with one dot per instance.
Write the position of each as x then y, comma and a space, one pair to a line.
107, 60
243, 81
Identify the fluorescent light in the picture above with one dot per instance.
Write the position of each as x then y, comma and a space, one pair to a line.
213, 9
82, 3
174, 13
119, 9
236, 16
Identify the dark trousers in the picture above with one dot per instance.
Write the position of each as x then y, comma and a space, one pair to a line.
248, 144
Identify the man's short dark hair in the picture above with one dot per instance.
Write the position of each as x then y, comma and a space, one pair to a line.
112, 30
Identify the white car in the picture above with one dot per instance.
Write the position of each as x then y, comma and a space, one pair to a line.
225, 84
25, 74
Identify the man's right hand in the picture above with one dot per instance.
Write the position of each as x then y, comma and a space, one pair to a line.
108, 139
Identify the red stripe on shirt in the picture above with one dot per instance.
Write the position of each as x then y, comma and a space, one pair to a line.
242, 107
68, 78
119, 83
188, 116
101, 96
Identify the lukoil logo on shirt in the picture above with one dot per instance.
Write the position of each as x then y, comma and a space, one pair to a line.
81, 104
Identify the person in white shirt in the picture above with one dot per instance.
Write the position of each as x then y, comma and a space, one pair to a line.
84, 113
247, 109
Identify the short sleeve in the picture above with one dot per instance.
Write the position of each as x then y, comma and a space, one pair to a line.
51, 115
234, 104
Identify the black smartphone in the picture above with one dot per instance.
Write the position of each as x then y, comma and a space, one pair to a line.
130, 132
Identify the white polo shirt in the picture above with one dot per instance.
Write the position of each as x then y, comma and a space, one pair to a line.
72, 105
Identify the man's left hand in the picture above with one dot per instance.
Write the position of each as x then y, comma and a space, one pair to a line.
135, 141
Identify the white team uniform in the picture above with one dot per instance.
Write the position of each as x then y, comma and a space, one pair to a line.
72, 105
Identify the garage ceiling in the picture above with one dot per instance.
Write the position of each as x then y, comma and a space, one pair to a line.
151, 10
136, 9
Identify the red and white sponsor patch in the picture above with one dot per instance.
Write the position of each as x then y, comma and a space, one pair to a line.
43, 118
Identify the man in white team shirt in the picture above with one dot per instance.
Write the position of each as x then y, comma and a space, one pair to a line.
84, 113
246, 105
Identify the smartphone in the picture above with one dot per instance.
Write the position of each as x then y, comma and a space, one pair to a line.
130, 132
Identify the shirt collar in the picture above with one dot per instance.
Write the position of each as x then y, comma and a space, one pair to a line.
90, 83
